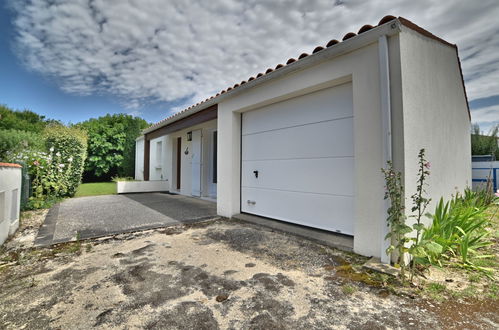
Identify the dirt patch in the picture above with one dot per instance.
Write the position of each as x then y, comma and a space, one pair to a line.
221, 274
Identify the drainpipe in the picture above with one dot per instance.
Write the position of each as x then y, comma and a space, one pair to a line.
386, 115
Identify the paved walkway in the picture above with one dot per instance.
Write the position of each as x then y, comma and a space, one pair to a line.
90, 217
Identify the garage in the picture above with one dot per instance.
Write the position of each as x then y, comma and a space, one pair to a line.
298, 160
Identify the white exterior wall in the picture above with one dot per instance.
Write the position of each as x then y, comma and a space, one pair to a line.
361, 68
139, 158
158, 158
167, 166
435, 116
10, 201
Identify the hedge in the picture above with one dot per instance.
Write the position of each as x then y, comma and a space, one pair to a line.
71, 144
13, 141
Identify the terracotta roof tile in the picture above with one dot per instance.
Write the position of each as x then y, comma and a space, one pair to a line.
10, 165
348, 36
365, 28
317, 49
331, 43
386, 19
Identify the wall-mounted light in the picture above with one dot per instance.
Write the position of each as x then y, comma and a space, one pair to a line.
189, 136
186, 152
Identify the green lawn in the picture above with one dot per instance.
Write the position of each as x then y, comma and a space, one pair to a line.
95, 189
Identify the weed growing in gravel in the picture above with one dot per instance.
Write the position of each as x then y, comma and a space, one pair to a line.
348, 289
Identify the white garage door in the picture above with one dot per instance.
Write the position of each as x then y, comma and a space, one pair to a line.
298, 160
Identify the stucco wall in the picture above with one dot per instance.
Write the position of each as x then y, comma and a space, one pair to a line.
10, 200
360, 67
158, 169
167, 165
435, 116
139, 158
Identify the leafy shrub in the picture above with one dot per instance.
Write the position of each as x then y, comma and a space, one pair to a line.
70, 145
125, 178
484, 144
22, 120
458, 230
13, 141
111, 146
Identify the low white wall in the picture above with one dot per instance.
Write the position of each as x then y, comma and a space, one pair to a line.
124, 187
10, 199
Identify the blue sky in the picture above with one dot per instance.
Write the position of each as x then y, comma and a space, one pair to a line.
23, 88
80, 59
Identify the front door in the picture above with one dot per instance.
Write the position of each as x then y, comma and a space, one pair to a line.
196, 156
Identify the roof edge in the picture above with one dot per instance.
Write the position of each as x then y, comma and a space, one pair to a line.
350, 42
333, 48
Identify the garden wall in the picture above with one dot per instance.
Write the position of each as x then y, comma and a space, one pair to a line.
10, 199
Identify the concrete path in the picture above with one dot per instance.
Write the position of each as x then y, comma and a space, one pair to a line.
90, 217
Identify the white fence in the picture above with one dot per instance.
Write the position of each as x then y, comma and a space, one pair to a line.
482, 172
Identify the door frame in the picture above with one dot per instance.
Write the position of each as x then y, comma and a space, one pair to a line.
197, 134
179, 162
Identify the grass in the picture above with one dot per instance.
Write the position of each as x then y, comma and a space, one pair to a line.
348, 289
96, 189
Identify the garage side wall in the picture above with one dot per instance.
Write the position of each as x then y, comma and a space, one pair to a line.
435, 116
361, 68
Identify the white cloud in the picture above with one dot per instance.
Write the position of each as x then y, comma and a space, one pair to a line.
487, 117
155, 50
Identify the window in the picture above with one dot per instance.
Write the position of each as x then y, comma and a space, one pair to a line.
214, 157
159, 150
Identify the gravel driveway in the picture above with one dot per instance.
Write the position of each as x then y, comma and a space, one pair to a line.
218, 274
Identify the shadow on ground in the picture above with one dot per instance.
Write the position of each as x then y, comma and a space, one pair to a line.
211, 275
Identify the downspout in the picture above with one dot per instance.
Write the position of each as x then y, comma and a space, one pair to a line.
386, 115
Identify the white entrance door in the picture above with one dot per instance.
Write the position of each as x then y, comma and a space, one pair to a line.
196, 156
298, 160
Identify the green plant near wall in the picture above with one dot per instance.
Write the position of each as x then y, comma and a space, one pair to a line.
394, 192
396, 220
419, 204
459, 229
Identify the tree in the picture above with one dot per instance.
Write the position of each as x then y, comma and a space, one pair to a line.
25, 120
111, 145
484, 144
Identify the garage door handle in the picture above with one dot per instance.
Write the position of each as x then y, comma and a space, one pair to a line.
251, 202
256, 174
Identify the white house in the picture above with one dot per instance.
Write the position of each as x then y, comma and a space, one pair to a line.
304, 142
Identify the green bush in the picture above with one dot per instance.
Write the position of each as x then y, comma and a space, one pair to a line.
484, 144
24, 120
458, 230
70, 146
111, 146
13, 141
